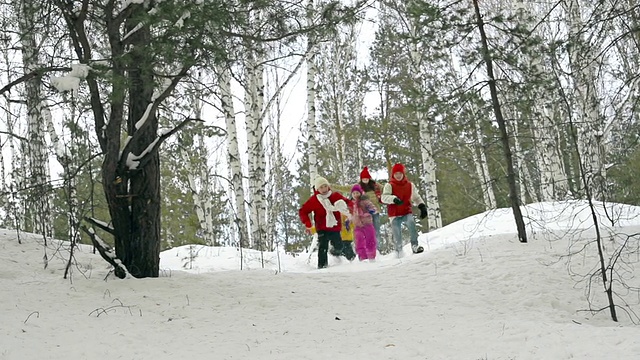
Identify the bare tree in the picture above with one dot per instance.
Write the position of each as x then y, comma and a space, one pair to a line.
506, 146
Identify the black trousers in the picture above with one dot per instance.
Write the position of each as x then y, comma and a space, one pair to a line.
347, 250
324, 237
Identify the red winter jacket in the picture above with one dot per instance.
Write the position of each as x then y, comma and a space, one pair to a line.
319, 212
403, 190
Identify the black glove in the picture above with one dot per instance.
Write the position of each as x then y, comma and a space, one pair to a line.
397, 201
423, 211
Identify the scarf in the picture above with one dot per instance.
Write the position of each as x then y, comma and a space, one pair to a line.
340, 205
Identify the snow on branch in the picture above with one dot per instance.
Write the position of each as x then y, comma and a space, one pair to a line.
107, 253
30, 75
133, 31
134, 162
101, 224
71, 81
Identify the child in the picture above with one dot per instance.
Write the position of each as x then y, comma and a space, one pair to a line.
373, 191
362, 212
399, 193
347, 238
326, 207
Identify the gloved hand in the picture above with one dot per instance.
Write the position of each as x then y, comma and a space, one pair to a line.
397, 201
372, 211
347, 225
423, 211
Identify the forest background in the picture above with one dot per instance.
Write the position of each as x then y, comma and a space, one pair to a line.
169, 123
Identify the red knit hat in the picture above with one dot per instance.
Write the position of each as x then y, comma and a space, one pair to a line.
364, 174
398, 167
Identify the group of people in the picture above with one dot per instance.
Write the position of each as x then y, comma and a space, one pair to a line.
361, 212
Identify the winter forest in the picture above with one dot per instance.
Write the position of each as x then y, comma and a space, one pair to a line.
140, 125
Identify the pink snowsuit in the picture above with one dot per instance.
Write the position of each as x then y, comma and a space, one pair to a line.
365, 232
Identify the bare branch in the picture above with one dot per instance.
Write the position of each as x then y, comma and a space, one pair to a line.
31, 75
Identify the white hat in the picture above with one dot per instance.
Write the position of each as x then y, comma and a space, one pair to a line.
319, 181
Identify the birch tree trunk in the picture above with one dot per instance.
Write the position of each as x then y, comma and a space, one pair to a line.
336, 80
254, 102
40, 199
198, 177
67, 155
482, 167
524, 176
312, 151
426, 149
235, 163
589, 122
12, 181
553, 178
260, 174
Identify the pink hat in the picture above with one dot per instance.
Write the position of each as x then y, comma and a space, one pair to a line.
357, 188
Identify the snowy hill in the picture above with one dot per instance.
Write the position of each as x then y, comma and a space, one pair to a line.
475, 293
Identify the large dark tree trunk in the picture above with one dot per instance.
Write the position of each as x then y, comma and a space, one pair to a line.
132, 185
511, 174
138, 246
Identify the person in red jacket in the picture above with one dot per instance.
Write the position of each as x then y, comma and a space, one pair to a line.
399, 193
326, 207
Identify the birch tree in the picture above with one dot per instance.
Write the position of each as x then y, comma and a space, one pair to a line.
68, 155
39, 200
591, 134
235, 163
311, 53
336, 82
482, 165
195, 155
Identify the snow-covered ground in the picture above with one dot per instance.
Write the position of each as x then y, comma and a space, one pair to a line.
475, 293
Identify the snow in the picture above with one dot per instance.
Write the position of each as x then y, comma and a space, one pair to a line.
144, 117
477, 293
180, 23
71, 81
133, 161
65, 83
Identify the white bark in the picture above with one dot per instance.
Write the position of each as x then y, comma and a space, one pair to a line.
254, 102
554, 184
260, 172
40, 199
482, 168
199, 180
426, 149
15, 212
524, 175
64, 154
588, 121
235, 163
336, 80
553, 179
312, 151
